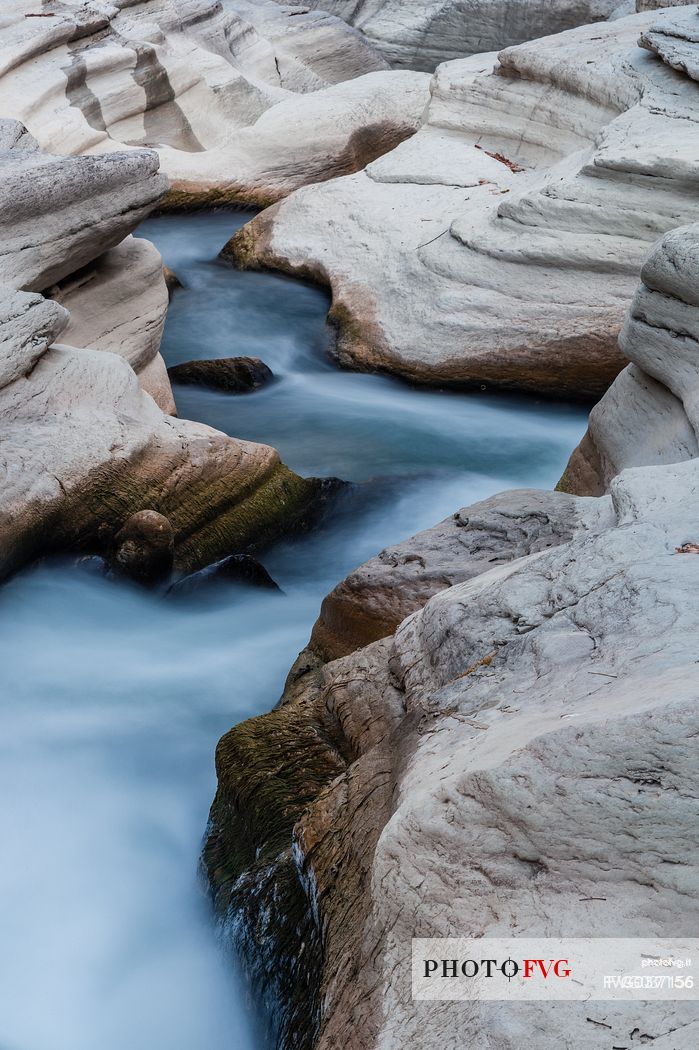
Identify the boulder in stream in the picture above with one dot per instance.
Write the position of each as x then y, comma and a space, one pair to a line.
144, 547
235, 375
236, 568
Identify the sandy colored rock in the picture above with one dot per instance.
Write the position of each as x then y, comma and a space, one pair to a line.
501, 244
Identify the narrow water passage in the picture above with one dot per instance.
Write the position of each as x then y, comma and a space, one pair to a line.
113, 700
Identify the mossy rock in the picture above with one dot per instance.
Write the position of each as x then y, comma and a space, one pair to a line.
269, 770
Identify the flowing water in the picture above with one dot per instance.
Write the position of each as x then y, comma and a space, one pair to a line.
114, 699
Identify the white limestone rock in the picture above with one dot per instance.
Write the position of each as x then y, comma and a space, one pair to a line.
119, 304
373, 600
64, 212
61, 212
419, 35
650, 414
501, 244
676, 40
653, 5
517, 760
243, 101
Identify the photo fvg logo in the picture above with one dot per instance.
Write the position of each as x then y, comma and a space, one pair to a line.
547, 968
509, 968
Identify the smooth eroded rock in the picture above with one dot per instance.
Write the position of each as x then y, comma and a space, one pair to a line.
649, 415
500, 245
374, 599
243, 101
419, 35
83, 444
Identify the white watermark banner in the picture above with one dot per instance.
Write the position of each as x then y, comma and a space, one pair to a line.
547, 968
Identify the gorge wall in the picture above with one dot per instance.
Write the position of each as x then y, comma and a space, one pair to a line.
419, 35
516, 755
259, 100
491, 726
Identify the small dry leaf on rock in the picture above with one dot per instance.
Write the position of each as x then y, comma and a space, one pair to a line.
688, 548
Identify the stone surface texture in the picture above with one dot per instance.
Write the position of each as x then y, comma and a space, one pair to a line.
516, 758
374, 599
242, 100
501, 244
418, 34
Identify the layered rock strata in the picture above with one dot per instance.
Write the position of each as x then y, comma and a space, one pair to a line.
419, 35
82, 444
517, 758
243, 101
500, 245
649, 414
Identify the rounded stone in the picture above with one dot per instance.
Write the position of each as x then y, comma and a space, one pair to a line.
144, 547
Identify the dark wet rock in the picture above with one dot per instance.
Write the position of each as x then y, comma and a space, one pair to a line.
237, 568
144, 548
236, 375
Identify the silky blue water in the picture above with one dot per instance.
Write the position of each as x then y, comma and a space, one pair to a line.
114, 699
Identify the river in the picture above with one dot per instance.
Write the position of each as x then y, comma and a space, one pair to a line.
114, 698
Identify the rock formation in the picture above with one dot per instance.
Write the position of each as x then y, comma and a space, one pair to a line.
118, 303
650, 413
418, 35
83, 446
235, 569
243, 101
517, 757
374, 599
501, 244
